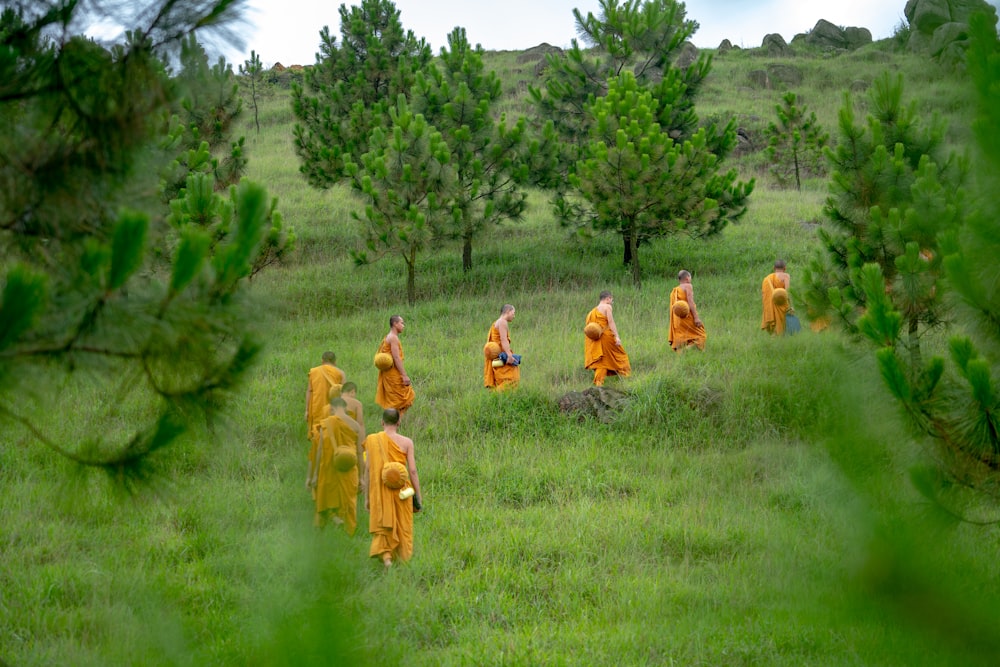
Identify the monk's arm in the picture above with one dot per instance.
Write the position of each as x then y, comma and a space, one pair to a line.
309, 392
613, 327
694, 309
504, 337
411, 467
398, 360
365, 485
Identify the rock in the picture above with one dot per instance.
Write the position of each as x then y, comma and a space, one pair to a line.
687, 56
774, 43
601, 403
758, 79
825, 34
926, 15
947, 34
939, 28
789, 75
537, 53
724, 46
857, 37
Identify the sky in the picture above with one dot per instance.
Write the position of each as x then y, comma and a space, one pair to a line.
287, 31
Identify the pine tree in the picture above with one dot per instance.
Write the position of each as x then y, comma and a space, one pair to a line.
135, 343
352, 87
252, 71
459, 99
408, 181
638, 181
796, 142
208, 105
954, 401
644, 37
893, 191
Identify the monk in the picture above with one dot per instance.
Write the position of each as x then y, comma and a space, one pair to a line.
773, 319
509, 374
321, 379
688, 330
393, 389
355, 410
390, 520
605, 356
335, 491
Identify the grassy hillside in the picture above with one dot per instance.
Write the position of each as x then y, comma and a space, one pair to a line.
749, 506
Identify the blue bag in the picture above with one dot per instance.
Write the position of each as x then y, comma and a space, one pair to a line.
517, 359
792, 325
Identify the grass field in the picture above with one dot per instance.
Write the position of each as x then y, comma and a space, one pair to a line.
750, 505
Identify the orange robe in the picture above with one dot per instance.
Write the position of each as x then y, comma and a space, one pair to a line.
683, 331
390, 520
321, 378
504, 376
335, 491
603, 353
390, 392
773, 319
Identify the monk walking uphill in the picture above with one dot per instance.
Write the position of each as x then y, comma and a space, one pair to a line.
686, 327
321, 379
333, 468
602, 347
393, 389
393, 491
502, 368
776, 302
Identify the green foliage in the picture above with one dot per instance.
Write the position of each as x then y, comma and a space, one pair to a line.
252, 71
408, 181
957, 411
352, 87
209, 104
644, 37
638, 181
459, 99
795, 142
88, 305
223, 222
893, 191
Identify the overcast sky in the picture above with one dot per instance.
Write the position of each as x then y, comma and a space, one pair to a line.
287, 31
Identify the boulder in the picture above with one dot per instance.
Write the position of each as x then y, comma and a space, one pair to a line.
774, 43
926, 15
537, 53
857, 37
758, 79
789, 75
724, 46
940, 27
687, 56
601, 403
946, 35
825, 34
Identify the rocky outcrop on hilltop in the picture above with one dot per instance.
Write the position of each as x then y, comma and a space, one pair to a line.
940, 28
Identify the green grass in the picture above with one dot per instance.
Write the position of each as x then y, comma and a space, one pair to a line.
748, 506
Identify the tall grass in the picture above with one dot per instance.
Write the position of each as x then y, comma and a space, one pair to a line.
745, 507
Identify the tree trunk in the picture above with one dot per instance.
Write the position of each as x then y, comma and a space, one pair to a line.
411, 277
633, 244
798, 181
627, 253
913, 345
467, 253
